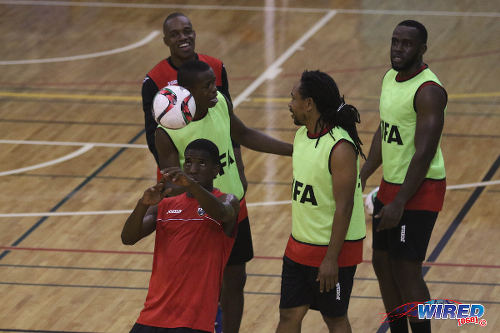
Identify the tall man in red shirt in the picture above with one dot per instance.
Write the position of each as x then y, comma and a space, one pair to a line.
194, 237
180, 37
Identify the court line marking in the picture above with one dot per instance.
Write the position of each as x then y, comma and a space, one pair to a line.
69, 96
248, 8
250, 204
270, 73
74, 154
274, 69
129, 47
75, 190
257, 275
73, 143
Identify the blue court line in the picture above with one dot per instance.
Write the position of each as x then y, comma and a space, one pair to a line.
137, 270
71, 194
454, 225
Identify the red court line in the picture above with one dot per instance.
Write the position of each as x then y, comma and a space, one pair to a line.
16, 248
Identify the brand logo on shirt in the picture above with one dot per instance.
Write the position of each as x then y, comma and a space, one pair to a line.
201, 212
306, 195
390, 133
403, 233
174, 211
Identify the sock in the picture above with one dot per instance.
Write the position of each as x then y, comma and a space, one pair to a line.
399, 325
423, 326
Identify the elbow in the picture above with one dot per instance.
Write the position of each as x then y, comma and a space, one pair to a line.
126, 240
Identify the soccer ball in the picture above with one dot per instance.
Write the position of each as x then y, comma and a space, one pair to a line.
369, 200
173, 107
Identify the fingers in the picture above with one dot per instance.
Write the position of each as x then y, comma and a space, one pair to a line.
327, 283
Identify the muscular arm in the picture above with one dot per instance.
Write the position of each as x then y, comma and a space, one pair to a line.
430, 103
142, 221
374, 159
254, 139
344, 178
149, 90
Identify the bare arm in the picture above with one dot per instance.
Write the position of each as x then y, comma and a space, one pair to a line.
241, 167
142, 220
429, 103
224, 208
254, 139
168, 156
374, 159
344, 178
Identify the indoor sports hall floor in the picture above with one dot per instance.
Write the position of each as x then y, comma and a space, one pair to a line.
73, 160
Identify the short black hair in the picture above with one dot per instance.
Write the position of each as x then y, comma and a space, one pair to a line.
206, 146
422, 32
173, 15
188, 72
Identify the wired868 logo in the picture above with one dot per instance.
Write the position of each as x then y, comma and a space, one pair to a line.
441, 309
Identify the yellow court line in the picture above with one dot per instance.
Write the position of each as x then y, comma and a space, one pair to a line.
254, 100
69, 96
450, 96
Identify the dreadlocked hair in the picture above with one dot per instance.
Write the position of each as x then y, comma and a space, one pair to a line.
333, 111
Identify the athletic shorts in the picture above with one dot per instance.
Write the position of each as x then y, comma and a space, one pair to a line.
409, 239
242, 251
139, 328
299, 287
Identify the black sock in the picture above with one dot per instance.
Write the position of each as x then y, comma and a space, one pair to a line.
399, 325
423, 326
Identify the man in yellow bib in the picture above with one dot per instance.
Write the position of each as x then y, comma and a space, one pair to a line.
328, 221
406, 144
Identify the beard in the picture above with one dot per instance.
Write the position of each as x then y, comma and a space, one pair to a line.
405, 64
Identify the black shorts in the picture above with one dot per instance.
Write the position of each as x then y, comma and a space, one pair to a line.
242, 251
139, 328
410, 239
299, 287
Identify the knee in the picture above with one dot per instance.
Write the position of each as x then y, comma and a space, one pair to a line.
337, 322
292, 315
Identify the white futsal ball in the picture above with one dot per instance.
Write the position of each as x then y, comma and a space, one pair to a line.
369, 200
173, 107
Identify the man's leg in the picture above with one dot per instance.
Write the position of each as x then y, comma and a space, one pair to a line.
338, 324
391, 295
232, 299
291, 319
411, 284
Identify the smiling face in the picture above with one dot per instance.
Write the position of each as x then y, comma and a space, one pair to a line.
200, 166
180, 37
407, 49
298, 106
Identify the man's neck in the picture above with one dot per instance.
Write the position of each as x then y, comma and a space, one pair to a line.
410, 72
178, 62
200, 114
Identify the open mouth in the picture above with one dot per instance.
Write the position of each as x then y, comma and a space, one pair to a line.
184, 45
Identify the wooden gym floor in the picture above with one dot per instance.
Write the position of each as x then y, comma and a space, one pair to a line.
74, 160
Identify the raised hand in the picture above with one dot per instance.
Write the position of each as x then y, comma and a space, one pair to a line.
176, 176
154, 194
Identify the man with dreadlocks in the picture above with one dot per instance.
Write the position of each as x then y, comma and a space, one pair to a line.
328, 222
